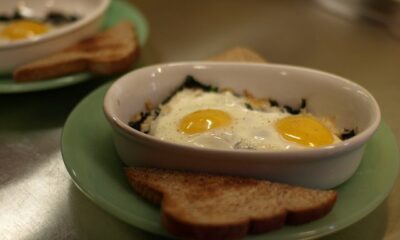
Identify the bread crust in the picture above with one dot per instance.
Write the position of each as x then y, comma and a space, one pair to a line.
311, 214
183, 214
180, 228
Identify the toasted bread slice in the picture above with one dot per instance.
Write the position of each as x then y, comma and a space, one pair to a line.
239, 54
109, 52
203, 206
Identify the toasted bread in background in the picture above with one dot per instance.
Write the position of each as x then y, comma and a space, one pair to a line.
203, 206
239, 54
109, 52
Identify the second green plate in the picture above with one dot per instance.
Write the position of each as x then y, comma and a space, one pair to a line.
118, 10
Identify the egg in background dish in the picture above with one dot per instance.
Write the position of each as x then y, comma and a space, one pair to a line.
222, 121
22, 29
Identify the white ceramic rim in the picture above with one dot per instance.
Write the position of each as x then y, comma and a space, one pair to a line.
100, 9
330, 150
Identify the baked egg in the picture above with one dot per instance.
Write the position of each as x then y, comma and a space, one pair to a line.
223, 120
17, 26
22, 29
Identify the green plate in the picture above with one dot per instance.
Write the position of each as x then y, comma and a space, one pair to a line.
92, 162
118, 10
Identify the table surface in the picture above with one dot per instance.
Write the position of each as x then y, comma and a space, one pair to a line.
37, 197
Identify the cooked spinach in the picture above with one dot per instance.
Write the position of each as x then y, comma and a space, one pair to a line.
273, 103
296, 111
303, 103
59, 18
54, 17
248, 106
5, 18
191, 83
347, 133
136, 124
291, 110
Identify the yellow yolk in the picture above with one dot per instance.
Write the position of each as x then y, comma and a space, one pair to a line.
305, 130
23, 29
203, 120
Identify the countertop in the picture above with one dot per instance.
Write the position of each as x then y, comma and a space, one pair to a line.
38, 200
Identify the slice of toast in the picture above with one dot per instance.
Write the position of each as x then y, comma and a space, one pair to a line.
239, 54
204, 206
105, 53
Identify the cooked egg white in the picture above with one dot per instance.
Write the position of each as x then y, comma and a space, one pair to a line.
222, 121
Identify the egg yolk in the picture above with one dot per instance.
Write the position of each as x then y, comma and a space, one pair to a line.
23, 29
203, 120
305, 130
